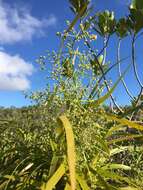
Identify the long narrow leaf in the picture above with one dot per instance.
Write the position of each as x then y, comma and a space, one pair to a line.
116, 166
115, 128
53, 165
78, 16
96, 86
103, 144
82, 182
124, 138
50, 185
128, 188
123, 121
107, 95
70, 149
118, 150
67, 187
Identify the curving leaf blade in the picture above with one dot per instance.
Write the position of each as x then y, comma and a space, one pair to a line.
70, 149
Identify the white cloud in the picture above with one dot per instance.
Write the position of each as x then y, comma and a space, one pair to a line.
17, 24
14, 72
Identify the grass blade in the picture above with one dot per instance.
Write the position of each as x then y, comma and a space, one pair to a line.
82, 182
55, 178
70, 149
129, 188
123, 121
115, 128
116, 166
124, 138
67, 187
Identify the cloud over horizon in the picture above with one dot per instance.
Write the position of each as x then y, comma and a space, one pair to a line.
14, 72
17, 24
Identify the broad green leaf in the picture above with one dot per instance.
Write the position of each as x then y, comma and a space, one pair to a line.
70, 149
82, 182
50, 185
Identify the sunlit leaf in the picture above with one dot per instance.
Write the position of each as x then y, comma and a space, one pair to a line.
70, 149
118, 150
67, 187
115, 128
50, 185
116, 166
129, 188
124, 138
82, 182
124, 121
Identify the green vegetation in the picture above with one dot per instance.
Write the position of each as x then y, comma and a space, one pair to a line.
71, 139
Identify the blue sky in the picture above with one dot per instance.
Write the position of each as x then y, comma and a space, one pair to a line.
27, 29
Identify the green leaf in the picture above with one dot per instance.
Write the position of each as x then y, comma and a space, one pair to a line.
77, 5
136, 20
118, 150
70, 149
50, 185
53, 165
122, 28
82, 182
10, 177
136, 4
114, 176
115, 128
123, 121
77, 17
101, 180
129, 188
103, 144
106, 22
124, 138
116, 166
106, 96
132, 109
67, 187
